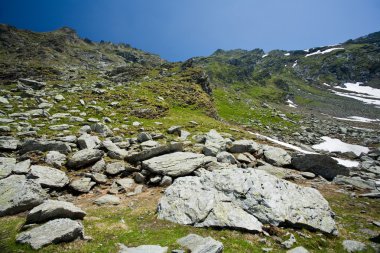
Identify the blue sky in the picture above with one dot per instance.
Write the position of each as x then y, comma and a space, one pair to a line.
180, 29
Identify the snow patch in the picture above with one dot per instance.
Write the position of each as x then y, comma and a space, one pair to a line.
265, 55
287, 54
291, 103
325, 84
294, 64
358, 119
346, 163
356, 87
336, 145
325, 51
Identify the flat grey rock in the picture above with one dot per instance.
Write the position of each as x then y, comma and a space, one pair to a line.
54, 231
244, 199
353, 246
45, 146
54, 209
107, 200
8, 143
299, 249
87, 141
114, 151
22, 167
48, 177
7, 165
199, 244
17, 194
82, 185
157, 151
242, 146
142, 249
115, 168
277, 156
84, 157
176, 164
56, 159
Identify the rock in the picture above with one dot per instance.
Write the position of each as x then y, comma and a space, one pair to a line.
59, 97
115, 168
149, 153
299, 249
84, 157
139, 178
175, 164
55, 159
86, 141
3, 100
99, 166
244, 199
8, 143
59, 127
143, 136
149, 145
174, 130
101, 129
5, 129
214, 143
184, 134
83, 184
98, 177
277, 156
114, 151
166, 181
289, 243
107, 200
17, 194
48, 177
22, 167
225, 157
308, 175
54, 209
142, 249
45, 146
155, 180
7, 165
199, 244
353, 246
54, 231
243, 146
357, 182
125, 183
33, 84
322, 165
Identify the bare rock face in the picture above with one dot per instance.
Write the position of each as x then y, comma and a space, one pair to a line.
176, 164
244, 199
17, 194
54, 209
54, 231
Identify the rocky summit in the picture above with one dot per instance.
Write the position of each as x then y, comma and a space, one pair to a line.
107, 148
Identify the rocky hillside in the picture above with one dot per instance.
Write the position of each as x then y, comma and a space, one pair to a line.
106, 148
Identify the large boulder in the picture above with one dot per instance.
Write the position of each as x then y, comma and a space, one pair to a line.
199, 244
277, 156
8, 143
45, 146
244, 199
322, 165
214, 143
157, 151
17, 194
54, 231
48, 177
7, 165
176, 164
82, 185
101, 129
54, 209
114, 151
242, 146
84, 157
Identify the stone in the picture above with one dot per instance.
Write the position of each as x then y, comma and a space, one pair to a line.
356, 182
33, 84
308, 175
54, 231
101, 129
82, 185
225, 157
149, 145
277, 156
174, 130
166, 181
55, 158
322, 165
244, 199
143, 136
99, 166
242, 146
184, 134
139, 178
199, 244
125, 183
54, 209
4, 100
115, 168
5, 129
84, 157
176, 164
45, 146
353, 246
8, 143
86, 141
107, 200
59, 127
7, 165
114, 151
59, 97
98, 177
149, 153
299, 249
155, 180
48, 177
142, 249
22, 167
289, 243
17, 194
214, 143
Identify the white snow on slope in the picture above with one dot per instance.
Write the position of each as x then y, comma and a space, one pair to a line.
325, 84
358, 119
325, 51
356, 87
346, 163
291, 103
287, 54
265, 55
294, 64
336, 145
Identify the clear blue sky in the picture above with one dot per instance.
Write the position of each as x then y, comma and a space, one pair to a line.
180, 29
